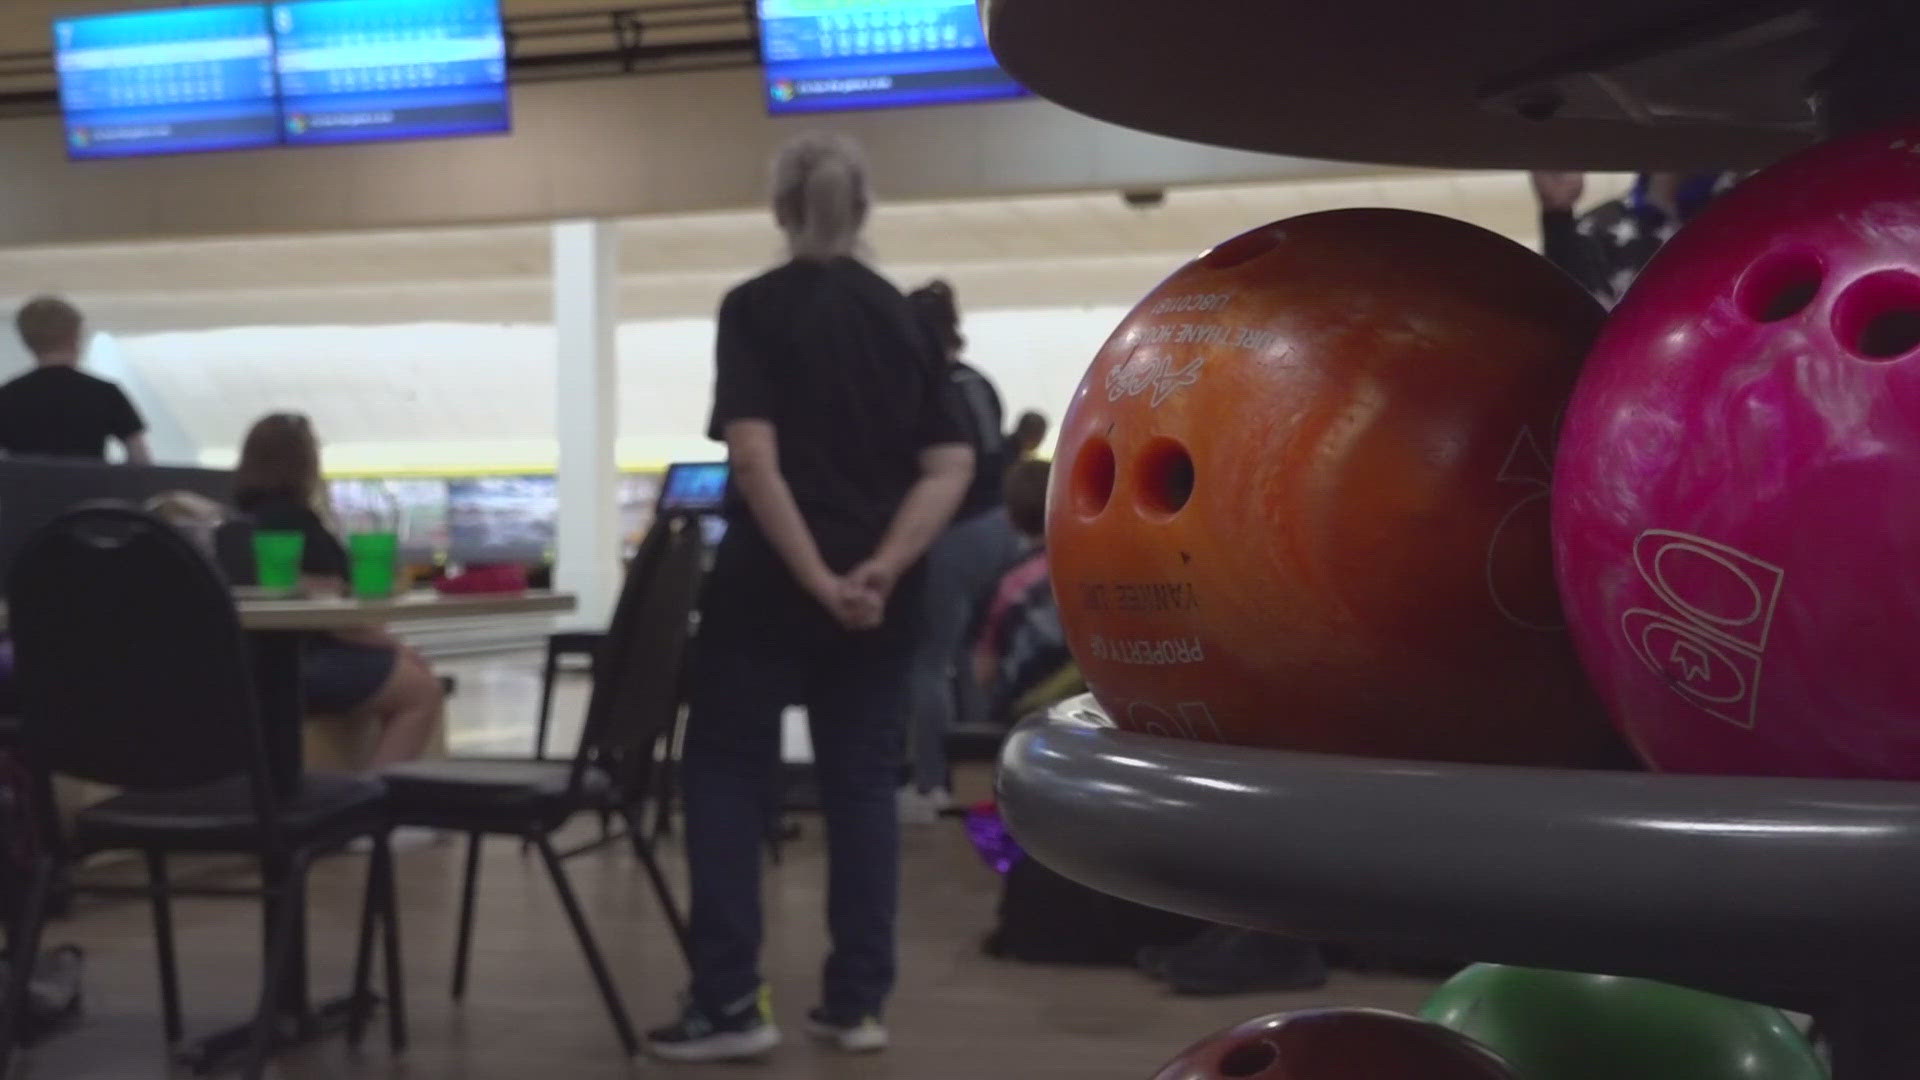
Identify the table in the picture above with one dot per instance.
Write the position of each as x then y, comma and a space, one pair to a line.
310, 614
278, 628
278, 631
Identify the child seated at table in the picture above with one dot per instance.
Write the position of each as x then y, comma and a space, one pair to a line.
353, 674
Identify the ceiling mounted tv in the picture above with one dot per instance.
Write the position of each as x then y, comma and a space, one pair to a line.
167, 82
831, 55
374, 70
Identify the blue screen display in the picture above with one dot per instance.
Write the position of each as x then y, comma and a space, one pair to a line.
365, 70
825, 55
696, 487
163, 82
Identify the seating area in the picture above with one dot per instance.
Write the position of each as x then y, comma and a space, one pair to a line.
137, 671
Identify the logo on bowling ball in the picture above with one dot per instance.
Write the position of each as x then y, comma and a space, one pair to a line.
1716, 609
1156, 373
1191, 720
1512, 551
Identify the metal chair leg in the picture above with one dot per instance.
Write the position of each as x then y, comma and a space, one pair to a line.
464, 943
23, 938
643, 850
547, 678
608, 992
396, 981
370, 905
162, 898
279, 954
666, 785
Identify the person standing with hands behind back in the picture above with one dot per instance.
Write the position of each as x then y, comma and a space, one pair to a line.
849, 458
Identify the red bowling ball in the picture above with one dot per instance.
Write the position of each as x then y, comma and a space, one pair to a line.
1336, 1044
1303, 498
1737, 497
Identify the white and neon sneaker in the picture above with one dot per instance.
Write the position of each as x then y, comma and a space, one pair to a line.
743, 1032
868, 1036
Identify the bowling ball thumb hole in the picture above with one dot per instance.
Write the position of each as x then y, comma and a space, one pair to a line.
1251, 1058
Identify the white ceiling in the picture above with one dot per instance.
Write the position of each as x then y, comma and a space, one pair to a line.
1006, 252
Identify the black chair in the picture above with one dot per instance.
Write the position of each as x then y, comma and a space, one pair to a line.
133, 672
636, 697
587, 643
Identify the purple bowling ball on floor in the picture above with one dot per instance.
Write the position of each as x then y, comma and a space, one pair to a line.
1736, 515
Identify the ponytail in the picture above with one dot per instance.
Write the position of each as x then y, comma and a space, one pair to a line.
820, 196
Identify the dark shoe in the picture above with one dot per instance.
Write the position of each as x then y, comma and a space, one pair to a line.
1158, 960
1152, 960
742, 1033
1246, 962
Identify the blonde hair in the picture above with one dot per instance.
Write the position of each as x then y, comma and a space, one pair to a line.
193, 514
820, 195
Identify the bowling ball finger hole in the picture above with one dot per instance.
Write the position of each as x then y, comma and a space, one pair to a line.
1093, 475
1780, 285
1250, 1059
1878, 317
1164, 480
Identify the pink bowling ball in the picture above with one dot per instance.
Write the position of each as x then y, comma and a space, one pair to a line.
1737, 498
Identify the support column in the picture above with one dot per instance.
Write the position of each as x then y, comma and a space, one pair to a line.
585, 292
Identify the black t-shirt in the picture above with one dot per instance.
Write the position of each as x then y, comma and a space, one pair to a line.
984, 419
828, 351
323, 555
57, 411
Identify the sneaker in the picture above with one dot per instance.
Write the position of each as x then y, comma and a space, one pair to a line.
922, 807
742, 1033
868, 1036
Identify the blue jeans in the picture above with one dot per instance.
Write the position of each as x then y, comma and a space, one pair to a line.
756, 655
961, 566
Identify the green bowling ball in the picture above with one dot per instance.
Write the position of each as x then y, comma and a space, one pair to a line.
1557, 1025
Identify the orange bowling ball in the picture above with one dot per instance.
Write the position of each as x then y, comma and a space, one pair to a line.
1301, 497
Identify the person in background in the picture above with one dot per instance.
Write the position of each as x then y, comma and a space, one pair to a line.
849, 458
57, 410
1605, 248
354, 674
961, 566
1020, 656
1029, 434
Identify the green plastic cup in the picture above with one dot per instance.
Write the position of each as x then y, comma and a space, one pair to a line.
276, 558
375, 557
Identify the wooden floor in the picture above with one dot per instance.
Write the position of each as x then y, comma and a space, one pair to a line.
531, 1013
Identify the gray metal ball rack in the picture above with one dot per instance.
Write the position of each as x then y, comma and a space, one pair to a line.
1799, 893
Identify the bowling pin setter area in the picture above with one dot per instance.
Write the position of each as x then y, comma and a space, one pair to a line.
1424, 604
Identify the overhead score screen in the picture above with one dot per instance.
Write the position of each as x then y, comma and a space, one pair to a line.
827, 55
368, 70
171, 81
